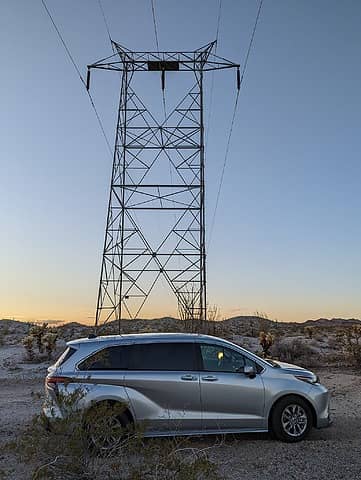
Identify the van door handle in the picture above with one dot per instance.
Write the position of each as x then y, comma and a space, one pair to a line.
210, 378
189, 377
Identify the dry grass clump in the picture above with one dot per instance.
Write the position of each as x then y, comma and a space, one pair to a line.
74, 448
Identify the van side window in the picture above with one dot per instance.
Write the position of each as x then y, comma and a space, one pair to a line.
162, 356
216, 358
111, 358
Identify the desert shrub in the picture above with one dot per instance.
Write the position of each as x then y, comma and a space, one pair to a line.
309, 331
350, 342
28, 343
252, 329
48, 342
334, 343
4, 331
320, 337
266, 341
40, 338
38, 331
354, 351
336, 359
293, 350
63, 452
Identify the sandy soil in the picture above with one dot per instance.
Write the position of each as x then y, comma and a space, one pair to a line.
333, 453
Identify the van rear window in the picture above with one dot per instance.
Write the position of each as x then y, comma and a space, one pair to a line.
162, 356
111, 358
64, 357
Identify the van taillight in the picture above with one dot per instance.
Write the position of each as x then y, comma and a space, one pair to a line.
54, 381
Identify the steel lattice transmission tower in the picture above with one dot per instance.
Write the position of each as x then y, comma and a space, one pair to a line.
132, 263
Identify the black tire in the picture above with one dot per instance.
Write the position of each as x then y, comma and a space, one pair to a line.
106, 426
291, 419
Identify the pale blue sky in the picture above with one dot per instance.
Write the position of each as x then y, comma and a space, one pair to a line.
286, 239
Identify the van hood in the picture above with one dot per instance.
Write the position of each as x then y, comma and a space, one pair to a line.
289, 366
297, 371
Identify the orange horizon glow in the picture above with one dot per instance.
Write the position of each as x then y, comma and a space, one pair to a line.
87, 318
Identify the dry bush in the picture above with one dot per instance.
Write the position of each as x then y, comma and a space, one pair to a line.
29, 344
292, 351
66, 451
319, 337
4, 331
308, 331
334, 343
350, 342
266, 341
336, 359
212, 316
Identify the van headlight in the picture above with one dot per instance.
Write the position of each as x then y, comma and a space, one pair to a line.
310, 378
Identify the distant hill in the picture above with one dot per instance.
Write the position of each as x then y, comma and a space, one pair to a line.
250, 321
241, 325
333, 322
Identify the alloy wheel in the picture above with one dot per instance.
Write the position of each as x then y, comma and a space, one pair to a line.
294, 420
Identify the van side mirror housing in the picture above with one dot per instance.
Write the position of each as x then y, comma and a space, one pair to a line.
249, 371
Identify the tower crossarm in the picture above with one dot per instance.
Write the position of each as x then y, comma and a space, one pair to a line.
193, 61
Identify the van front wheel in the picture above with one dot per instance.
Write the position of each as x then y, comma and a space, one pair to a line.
291, 419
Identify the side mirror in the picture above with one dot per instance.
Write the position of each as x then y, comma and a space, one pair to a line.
249, 371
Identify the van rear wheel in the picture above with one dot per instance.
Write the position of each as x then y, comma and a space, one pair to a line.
291, 419
106, 426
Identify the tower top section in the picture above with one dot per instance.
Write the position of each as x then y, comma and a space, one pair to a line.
201, 59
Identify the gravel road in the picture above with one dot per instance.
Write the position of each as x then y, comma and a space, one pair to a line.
333, 453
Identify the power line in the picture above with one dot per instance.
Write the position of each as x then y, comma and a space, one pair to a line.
105, 19
64, 44
157, 44
251, 41
79, 74
232, 121
155, 26
212, 79
163, 95
218, 20
158, 49
100, 123
223, 168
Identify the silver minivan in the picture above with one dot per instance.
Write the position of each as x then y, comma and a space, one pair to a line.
187, 384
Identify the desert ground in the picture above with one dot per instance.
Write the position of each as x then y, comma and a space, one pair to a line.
332, 453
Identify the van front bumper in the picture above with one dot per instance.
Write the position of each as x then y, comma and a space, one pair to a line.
321, 401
